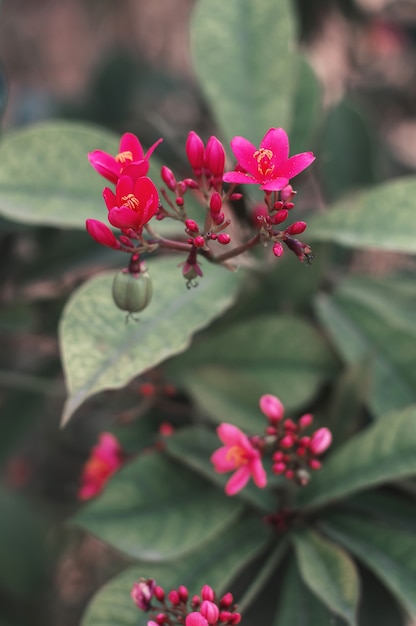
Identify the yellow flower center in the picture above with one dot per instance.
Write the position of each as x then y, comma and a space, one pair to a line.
237, 456
263, 157
123, 157
131, 201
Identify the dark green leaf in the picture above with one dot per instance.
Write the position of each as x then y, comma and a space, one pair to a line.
383, 452
227, 371
374, 319
101, 351
244, 60
329, 572
393, 508
389, 552
381, 217
157, 510
217, 564
306, 109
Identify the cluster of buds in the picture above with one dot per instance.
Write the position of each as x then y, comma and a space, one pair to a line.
292, 452
135, 200
177, 607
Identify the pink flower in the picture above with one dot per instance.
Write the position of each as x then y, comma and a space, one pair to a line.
269, 165
133, 204
130, 160
240, 455
320, 441
195, 619
142, 593
105, 459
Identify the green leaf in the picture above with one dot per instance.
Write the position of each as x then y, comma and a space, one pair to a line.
194, 446
243, 53
297, 605
45, 176
377, 605
383, 452
101, 351
389, 552
347, 152
306, 108
382, 217
217, 564
393, 508
157, 510
374, 319
228, 370
329, 572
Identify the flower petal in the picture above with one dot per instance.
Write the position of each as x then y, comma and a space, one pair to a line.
146, 192
238, 480
230, 434
105, 164
276, 184
239, 178
277, 141
136, 170
123, 217
130, 143
152, 149
296, 164
109, 198
220, 461
244, 153
258, 473
124, 187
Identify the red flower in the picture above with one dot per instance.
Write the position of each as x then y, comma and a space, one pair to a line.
134, 203
240, 455
130, 160
105, 459
269, 165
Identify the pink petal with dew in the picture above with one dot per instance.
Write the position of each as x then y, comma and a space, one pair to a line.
152, 149
277, 141
130, 143
105, 164
239, 178
221, 462
258, 473
238, 480
296, 164
244, 153
109, 198
276, 184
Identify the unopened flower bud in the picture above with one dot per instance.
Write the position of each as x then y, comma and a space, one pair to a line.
218, 218
305, 421
236, 196
289, 474
215, 157
320, 441
168, 177
287, 441
215, 202
192, 226
278, 456
179, 201
272, 408
195, 152
224, 238
196, 601
161, 618
173, 597
195, 619
287, 193
183, 593
224, 616
235, 619
159, 593
278, 249
279, 217
102, 234
210, 611
290, 426
142, 593
296, 228
191, 183
227, 600
199, 241
132, 292
207, 593
278, 468
315, 464
278, 205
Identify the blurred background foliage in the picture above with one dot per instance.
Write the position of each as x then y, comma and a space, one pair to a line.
126, 66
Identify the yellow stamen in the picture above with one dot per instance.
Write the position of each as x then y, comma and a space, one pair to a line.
123, 157
237, 455
131, 201
263, 157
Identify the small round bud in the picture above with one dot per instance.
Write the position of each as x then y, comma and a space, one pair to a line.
223, 239
289, 474
215, 202
161, 618
296, 229
192, 226
196, 601
159, 593
272, 407
287, 441
195, 151
278, 249
215, 157
218, 218
132, 292
278, 205
235, 619
173, 597
226, 600
183, 593
305, 421
287, 193
320, 440
207, 593
168, 177
279, 217
210, 611
199, 241
278, 468
315, 464
179, 201
224, 616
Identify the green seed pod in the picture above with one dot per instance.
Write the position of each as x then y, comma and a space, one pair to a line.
132, 292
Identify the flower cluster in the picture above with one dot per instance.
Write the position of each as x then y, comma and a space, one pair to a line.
178, 607
292, 452
105, 459
135, 200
